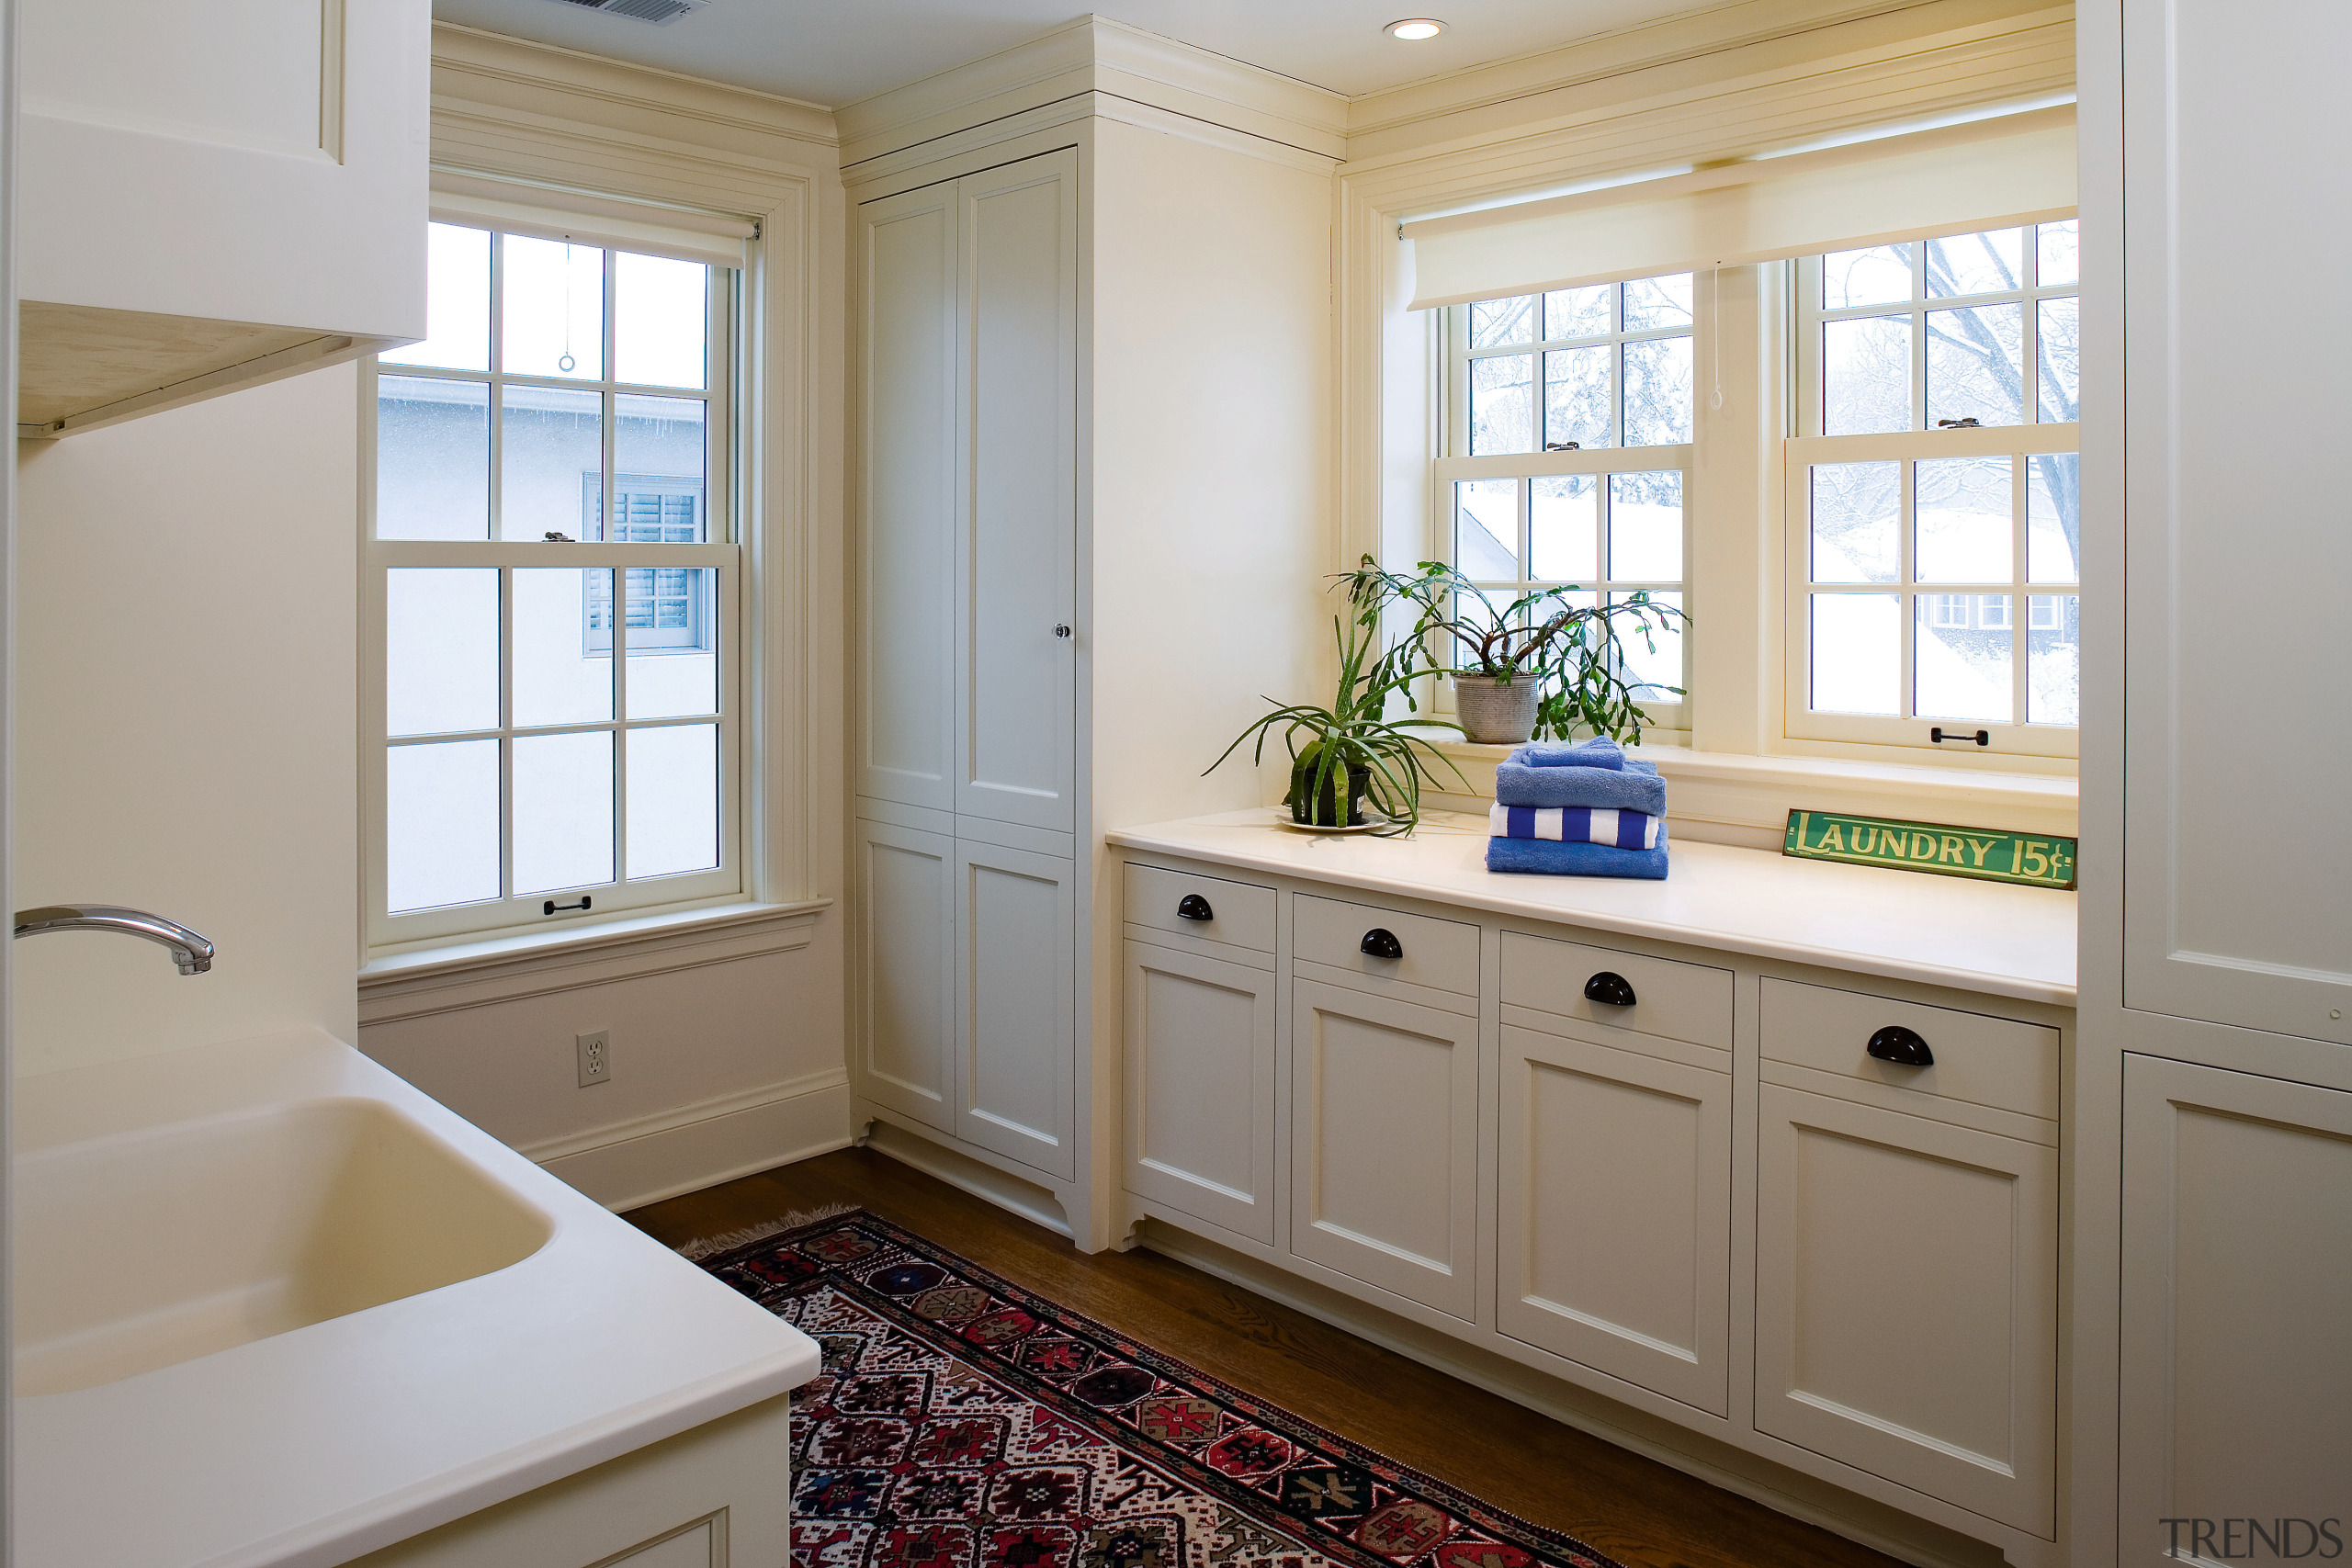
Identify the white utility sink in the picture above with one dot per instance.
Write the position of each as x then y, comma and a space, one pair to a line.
277, 1309
242, 1227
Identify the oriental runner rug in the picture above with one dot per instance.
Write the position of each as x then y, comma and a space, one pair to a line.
960, 1421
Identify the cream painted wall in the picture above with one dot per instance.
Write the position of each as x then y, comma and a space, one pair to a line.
186, 703
719, 1067
716, 1070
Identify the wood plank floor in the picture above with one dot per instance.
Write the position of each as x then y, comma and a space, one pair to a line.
1636, 1510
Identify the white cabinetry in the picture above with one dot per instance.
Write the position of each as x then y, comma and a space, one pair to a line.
1676, 1177
906, 971
1613, 1224
2250, 928
1384, 1143
2237, 1301
1017, 232
2213, 1367
1614, 1189
213, 198
1906, 1247
1079, 533
971, 348
1201, 1033
1015, 1081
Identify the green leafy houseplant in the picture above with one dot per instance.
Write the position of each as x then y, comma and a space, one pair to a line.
1570, 653
1350, 753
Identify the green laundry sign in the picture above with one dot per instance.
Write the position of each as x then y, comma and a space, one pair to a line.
1984, 853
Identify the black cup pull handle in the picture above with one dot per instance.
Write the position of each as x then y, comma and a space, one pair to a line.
1899, 1046
1193, 907
1381, 943
1610, 989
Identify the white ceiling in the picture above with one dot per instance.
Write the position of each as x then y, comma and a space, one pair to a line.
832, 52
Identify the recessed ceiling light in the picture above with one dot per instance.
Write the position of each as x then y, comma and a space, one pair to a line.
1416, 28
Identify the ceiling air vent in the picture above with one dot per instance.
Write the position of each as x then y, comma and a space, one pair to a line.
661, 13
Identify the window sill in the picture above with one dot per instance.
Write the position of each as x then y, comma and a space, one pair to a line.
1732, 798
481, 974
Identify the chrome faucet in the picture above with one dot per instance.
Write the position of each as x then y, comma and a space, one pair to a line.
191, 952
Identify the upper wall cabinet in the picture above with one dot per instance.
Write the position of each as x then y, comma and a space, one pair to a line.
211, 197
2237, 906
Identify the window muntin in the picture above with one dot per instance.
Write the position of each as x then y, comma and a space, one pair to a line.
1570, 420
1933, 562
564, 433
1608, 365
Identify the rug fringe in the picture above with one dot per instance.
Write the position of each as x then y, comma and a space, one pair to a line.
708, 1246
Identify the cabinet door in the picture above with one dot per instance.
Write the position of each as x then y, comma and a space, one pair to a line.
2248, 924
1015, 1005
907, 497
1906, 1301
1019, 234
1200, 1087
2237, 1310
906, 978
279, 143
1385, 1143
1613, 1230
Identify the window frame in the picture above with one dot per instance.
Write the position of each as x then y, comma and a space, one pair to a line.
1451, 349
726, 551
1805, 448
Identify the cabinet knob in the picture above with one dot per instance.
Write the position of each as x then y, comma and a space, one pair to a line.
1610, 989
1061, 629
1899, 1046
1193, 907
1381, 943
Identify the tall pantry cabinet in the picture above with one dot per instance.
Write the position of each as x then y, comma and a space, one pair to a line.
2213, 1253
1090, 412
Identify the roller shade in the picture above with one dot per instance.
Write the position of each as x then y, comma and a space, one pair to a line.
1988, 173
686, 234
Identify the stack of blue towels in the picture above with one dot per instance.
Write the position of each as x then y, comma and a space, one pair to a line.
1586, 810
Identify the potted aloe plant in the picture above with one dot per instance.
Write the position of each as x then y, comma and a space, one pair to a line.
1541, 666
1350, 754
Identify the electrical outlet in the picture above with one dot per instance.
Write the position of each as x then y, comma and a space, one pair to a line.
596, 1057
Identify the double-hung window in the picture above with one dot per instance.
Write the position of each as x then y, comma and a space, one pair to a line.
1568, 452
553, 588
1932, 508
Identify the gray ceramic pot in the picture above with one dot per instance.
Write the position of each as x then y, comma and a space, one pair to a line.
1493, 713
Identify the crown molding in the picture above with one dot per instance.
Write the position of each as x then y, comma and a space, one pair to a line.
474, 65
1094, 54
1702, 50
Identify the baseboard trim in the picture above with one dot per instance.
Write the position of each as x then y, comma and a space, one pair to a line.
960, 1170
645, 1161
1859, 1520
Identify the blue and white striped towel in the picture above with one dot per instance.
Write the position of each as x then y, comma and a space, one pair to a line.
1575, 825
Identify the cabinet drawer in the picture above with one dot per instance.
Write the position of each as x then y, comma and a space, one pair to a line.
1690, 1003
1443, 954
1983, 1061
1240, 915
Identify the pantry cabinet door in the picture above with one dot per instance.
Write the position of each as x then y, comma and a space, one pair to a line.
2237, 1309
1613, 1229
906, 263
904, 1005
1017, 431
2237, 899
1385, 1143
1907, 1306
1015, 1005
259, 162
1200, 1087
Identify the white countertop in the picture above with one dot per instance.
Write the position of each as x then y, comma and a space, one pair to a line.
317, 1445
1939, 930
